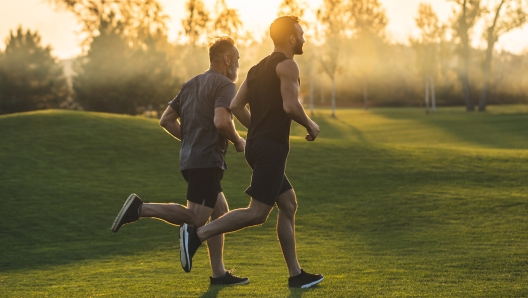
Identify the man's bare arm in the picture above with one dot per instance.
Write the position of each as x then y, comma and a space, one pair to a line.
225, 126
238, 106
288, 72
169, 122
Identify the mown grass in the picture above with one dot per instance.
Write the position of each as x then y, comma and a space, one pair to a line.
392, 203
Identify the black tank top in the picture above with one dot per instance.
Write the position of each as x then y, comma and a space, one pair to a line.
268, 118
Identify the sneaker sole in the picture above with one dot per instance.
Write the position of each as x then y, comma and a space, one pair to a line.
306, 286
184, 247
128, 202
235, 284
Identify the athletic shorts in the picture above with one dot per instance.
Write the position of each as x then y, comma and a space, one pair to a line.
203, 185
268, 161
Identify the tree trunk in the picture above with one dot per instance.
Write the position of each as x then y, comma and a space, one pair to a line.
464, 73
486, 85
487, 63
365, 95
311, 95
322, 94
333, 97
467, 93
433, 95
426, 94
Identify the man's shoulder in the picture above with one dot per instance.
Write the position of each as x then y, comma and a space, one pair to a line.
288, 68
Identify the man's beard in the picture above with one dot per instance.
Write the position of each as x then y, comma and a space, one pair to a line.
232, 73
298, 49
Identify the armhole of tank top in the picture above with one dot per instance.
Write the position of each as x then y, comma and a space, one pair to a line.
285, 58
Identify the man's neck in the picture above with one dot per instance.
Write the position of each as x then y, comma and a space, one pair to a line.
216, 68
288, 52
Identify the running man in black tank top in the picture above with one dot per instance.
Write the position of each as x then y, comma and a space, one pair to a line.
271, 90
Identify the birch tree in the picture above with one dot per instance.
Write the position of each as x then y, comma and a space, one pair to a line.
426, 47
332, 16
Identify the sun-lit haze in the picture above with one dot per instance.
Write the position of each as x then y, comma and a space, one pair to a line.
58, 28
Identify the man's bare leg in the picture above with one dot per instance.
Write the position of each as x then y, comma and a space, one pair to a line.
215, 245
287, 204
175, 214
256, 214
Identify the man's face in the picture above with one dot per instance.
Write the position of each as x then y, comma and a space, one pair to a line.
299, 40
232, 69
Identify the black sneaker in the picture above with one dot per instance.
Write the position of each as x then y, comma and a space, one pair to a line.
129, 213
304, 280
189, 243
228, 279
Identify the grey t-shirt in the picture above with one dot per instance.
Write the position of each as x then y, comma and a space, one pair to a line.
202, 145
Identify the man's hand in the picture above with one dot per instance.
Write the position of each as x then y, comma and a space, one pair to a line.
313, 131
240, 146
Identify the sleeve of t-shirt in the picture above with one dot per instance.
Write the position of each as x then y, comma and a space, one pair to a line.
225, 95
175, 103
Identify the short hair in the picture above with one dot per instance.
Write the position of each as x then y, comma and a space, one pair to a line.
219, 45
282, 28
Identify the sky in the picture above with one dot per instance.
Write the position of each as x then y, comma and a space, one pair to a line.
59, 28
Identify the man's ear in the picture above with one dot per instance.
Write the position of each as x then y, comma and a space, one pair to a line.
292, 39
227, 59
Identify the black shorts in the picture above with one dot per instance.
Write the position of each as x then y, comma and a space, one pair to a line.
268, 161
203, 185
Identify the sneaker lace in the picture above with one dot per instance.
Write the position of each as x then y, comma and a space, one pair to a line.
231, 271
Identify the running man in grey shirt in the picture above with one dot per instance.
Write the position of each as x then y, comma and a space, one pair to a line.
205, 125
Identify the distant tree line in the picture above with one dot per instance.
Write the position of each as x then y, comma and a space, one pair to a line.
129, 66
30, 78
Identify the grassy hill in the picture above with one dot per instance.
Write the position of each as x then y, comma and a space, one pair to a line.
392, 202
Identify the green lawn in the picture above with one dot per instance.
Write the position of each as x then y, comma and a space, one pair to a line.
392, 203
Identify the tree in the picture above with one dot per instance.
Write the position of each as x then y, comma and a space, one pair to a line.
332, 17
137, 18
368, 21
505, 16
30, 78
152, 77
126, 68
227, 22
104, 81
292, 7
196, 24
464, 21
426, 47
143, 20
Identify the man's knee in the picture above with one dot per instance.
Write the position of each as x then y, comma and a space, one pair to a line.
287, 203
260, 218
200, 214
260, 212
220, 208
200, 220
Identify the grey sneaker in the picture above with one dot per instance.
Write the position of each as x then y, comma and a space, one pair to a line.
129, 213
228, 279
304, 280
189, 243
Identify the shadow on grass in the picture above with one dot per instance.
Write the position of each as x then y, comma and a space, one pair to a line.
331, 128
486, 130
212, 292
298, 293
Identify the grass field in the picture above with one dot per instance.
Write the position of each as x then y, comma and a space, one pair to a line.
392, 203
